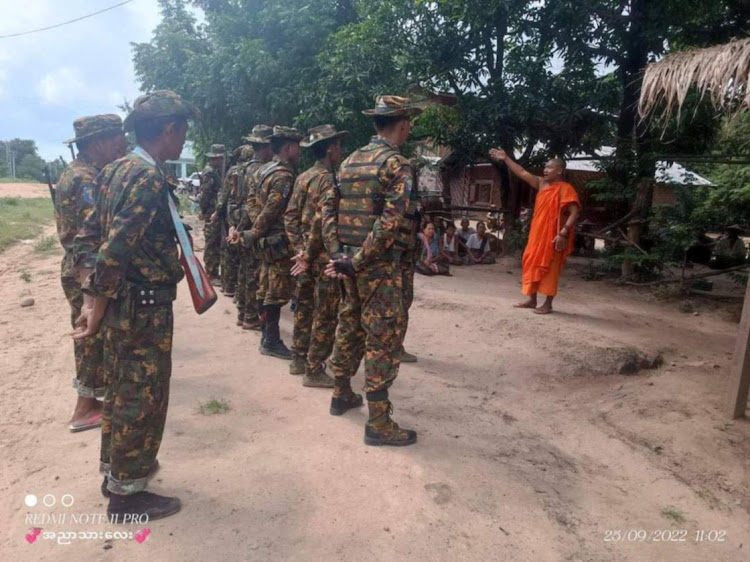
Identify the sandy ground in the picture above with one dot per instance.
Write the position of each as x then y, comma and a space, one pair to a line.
531, 447
24, 190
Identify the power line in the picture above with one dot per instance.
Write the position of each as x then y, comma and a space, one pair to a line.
65, 22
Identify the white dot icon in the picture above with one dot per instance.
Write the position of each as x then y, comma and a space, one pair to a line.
30, 500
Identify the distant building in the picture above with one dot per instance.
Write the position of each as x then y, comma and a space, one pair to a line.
476, 187
185, 166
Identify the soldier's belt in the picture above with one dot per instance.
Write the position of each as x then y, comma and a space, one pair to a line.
149, 295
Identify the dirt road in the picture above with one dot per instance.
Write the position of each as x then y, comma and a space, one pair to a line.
24, 190
531, 446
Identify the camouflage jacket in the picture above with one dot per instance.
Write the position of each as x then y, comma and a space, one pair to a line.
303, 204
397, 179
246, 194
229, 187
129, 238
273, 191
75, 199
209, 192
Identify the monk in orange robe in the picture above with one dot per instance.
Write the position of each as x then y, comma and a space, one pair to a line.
552, 234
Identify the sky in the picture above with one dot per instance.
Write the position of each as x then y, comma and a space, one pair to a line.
48, 79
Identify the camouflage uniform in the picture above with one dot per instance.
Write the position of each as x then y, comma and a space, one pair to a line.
274, 183
207, 201
230, 256
367, 220
298, 219
74, 201
129, 242
246, 212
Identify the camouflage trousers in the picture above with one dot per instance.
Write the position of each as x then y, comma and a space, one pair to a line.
370, 324
407, 283
212, 251
303, 315
230, 263
135, 404
275, 283
88, 353
247, 284
325, 318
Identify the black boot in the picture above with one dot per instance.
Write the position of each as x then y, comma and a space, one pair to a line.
273, 345
126, 509
263, 317
344, 398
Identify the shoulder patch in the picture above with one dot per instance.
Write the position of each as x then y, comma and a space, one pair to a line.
87, 194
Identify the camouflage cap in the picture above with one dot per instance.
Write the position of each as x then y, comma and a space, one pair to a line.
94, 126
392, 106
288, 133
160, 103
261, 134
322, 133
217, 151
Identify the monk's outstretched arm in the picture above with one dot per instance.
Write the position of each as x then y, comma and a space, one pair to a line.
499, 155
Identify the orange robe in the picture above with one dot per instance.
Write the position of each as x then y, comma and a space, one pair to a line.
542, 265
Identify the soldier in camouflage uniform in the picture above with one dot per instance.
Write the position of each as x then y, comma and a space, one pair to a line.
366, 229
274, 183
100, 140
128, 244
316, 292
230, 257
247, 299
211, 182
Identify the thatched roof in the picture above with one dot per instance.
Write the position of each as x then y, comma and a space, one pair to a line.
721, 72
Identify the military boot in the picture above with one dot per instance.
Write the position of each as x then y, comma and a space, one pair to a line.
317, 378
263, 325
273, 345
344, 398
123, 509
382, 430
240, 319
297, 366
407, 357
252, 324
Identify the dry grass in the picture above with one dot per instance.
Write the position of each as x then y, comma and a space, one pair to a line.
721, 72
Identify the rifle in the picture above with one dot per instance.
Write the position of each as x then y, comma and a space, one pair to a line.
201, 291
49, 184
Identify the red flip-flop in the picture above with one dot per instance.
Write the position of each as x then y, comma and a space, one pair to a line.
90, 423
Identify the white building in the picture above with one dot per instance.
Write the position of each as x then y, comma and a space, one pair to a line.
185, 166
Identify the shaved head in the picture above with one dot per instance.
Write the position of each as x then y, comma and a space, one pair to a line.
558, 162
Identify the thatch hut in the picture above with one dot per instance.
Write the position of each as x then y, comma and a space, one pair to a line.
723, 74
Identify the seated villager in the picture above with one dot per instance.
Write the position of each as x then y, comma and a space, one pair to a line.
730, 251
430, 261
478, 246
463, 234
449, 246
701, 250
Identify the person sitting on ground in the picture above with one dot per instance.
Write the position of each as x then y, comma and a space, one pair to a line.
449, 246
730, 251
463, 234
478, 246
430, 261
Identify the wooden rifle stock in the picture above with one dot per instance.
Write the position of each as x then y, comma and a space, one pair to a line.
200, 303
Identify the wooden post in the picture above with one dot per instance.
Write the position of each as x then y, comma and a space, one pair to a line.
740, 382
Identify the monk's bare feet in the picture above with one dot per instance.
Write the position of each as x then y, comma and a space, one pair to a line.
546, 308
529, 303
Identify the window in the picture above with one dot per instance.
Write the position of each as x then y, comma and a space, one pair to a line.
480, 192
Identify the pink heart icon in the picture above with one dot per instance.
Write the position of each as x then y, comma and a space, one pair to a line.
36, 531
142, 535
146, 532
30, 537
